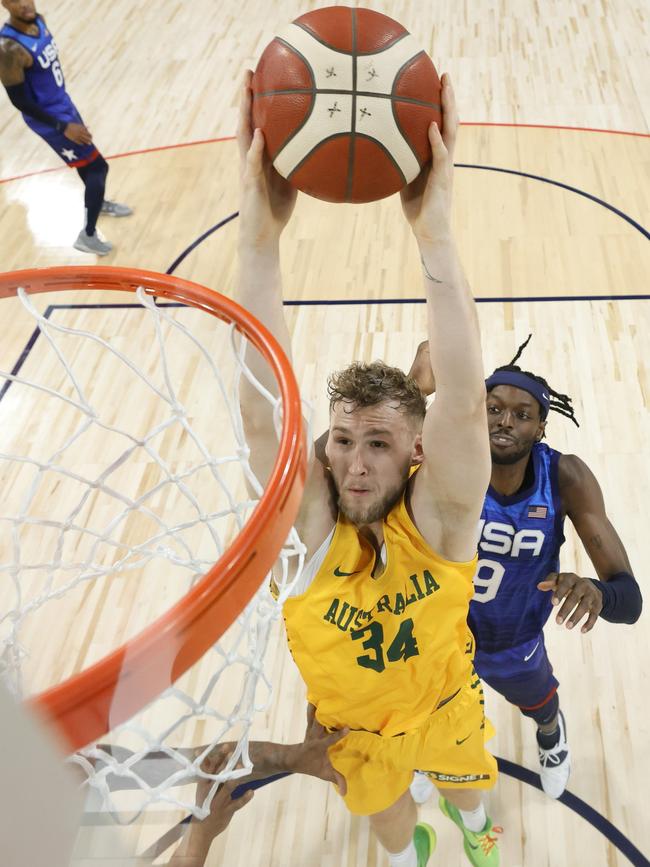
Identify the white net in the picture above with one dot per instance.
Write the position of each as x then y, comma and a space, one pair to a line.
124, 474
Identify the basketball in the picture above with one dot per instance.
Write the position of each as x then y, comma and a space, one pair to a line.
344, 97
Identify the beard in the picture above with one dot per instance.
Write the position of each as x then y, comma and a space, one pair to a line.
378, 510
513, 457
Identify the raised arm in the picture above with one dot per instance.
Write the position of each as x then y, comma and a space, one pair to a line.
448, 491
267, 202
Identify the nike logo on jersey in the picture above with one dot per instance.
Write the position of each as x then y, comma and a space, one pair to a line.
458, 743
526, 658
35, 46
340, 574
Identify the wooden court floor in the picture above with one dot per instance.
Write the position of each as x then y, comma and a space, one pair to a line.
552, 225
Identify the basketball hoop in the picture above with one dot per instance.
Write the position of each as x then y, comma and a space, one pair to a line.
82, 708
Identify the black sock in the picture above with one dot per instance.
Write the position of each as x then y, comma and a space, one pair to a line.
94, 177
548, 740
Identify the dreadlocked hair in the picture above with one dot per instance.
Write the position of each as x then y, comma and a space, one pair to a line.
367, 384
560, 403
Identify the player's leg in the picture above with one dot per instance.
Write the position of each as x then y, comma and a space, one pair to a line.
407, 843
471, 769
552, 743
377, 779
524, 676
394, 826
92, 168
455, 758
468, 802
93, 176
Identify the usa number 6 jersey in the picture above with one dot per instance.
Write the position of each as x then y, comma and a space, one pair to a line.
520, 540
44, 78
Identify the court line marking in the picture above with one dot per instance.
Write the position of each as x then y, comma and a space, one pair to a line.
29, 345
189, 144
589, 196
563, 186
599, 822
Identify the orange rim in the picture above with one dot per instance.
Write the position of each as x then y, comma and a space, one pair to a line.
82, 707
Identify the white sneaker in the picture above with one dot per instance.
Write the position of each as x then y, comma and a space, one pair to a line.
115, 209
421, 788
555, 764
92, 244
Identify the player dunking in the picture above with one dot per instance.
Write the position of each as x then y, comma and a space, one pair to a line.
378, 625
532, 489
31, 74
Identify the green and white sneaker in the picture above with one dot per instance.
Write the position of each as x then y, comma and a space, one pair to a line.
481, 848
424, 840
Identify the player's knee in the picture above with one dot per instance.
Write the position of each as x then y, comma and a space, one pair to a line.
94, 174
546, 713
404, 804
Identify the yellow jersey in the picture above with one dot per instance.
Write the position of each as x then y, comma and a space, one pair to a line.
381, 653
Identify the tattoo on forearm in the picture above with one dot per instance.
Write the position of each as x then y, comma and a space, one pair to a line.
597, 541
426, 272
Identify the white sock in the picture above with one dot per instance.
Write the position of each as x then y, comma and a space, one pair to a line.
407, 858
474, 820
421, 788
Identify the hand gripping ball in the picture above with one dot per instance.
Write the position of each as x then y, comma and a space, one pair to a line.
345, 97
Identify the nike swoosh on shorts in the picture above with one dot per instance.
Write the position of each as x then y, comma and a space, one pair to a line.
526, 658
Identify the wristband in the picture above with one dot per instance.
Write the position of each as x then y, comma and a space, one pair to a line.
622, 600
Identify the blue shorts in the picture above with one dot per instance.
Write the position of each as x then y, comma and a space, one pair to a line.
74, 155
523, 675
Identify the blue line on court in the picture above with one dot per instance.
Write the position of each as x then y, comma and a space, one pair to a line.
632, 222
186, 252
562, 186
323, 302
22, 358
596, 819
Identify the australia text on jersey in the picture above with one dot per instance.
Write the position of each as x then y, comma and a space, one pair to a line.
350, 616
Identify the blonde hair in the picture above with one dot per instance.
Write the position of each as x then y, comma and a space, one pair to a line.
367, 384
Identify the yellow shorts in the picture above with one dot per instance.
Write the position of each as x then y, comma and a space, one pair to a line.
449, 747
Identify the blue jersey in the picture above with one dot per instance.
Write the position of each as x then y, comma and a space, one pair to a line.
519, 545
44, 78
